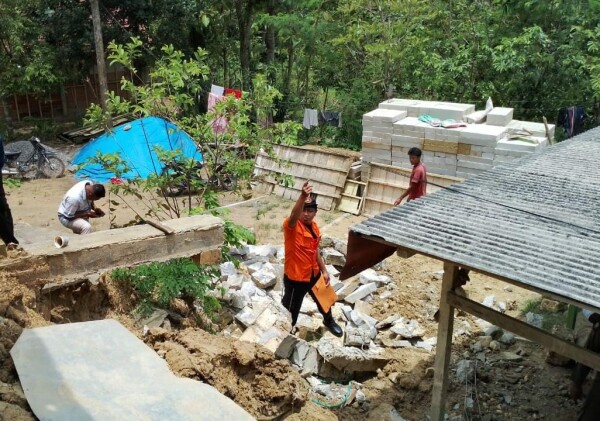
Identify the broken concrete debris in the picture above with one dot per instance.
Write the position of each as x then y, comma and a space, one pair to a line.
361, 292
407, 329
333, 257
254, 289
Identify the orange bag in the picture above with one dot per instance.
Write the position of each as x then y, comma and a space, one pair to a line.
324, 294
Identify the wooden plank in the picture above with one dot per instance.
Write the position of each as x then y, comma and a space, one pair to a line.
464, 149
160, 226
444, 345
547, 340
349, 205
388, 184
440, 146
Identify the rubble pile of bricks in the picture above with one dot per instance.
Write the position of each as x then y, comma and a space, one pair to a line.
392, 129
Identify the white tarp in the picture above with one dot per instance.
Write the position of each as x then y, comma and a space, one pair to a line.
101, 371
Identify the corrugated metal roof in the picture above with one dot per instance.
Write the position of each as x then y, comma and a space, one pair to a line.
535, 220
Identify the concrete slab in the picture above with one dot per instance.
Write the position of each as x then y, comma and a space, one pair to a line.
103, 250
101, 371
30, 235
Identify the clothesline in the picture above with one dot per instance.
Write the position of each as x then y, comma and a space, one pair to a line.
314, 118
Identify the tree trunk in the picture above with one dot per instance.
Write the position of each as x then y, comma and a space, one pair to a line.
100, 61
270, 45
7, 117
244, 11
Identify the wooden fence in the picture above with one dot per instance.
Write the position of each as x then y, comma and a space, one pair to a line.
326, 169
385, 183
70, 101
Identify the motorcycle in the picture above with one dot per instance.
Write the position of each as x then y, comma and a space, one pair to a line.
182, 180
221, 179
24, 163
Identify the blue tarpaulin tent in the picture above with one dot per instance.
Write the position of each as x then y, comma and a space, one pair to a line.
135, 142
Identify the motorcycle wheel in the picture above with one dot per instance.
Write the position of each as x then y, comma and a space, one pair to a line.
52, 167
228, 182
28, 171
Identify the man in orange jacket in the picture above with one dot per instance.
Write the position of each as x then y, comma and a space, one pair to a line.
303, 262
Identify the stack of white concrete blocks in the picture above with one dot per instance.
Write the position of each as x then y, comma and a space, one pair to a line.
393, 128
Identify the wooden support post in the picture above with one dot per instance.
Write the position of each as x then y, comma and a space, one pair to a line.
572, 316
444, 345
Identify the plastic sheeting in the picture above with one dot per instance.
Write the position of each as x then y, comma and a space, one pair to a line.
135, 142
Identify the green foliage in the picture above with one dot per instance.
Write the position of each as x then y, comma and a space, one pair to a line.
235, 236
551, 319
535, 56
158, 284
12, 183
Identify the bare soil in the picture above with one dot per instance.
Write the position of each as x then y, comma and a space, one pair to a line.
270, 388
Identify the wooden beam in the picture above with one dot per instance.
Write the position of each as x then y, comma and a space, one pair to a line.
160, 226
547, 340
444, 345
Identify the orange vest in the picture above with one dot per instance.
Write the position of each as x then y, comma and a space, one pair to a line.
300, 251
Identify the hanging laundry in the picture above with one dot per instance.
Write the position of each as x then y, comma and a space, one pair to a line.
220, 124
332, 118
311, 118
571, 119
235, 92
217, 90
212, 100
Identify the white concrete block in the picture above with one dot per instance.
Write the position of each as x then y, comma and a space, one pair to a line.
442, 110
361, 292
482, 149
406, 141
384, 115
411, 124
530, 145
536, 129
483, 135
472, 159
500, 116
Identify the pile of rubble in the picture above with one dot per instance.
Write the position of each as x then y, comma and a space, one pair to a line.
497, 372
253, 291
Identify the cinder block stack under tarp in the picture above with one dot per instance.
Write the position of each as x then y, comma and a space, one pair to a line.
392, 129
326, 168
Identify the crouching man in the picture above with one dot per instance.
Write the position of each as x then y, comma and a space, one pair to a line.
77, 207
303, 262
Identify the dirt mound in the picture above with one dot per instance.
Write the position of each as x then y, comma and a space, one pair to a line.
247, 373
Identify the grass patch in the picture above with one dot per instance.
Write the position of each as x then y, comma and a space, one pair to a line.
531, 306
264, 208
267, 226
13, 183
158, 284
551, 318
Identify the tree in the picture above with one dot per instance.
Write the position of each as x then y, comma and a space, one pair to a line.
171, 92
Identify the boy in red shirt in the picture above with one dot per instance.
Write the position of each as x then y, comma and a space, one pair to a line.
418, 178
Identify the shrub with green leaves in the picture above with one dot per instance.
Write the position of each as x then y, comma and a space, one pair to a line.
158, 284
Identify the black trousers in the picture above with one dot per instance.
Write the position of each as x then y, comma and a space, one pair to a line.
7, 229
294, 293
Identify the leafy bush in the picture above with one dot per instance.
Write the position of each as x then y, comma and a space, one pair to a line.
13, 183
158, 284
